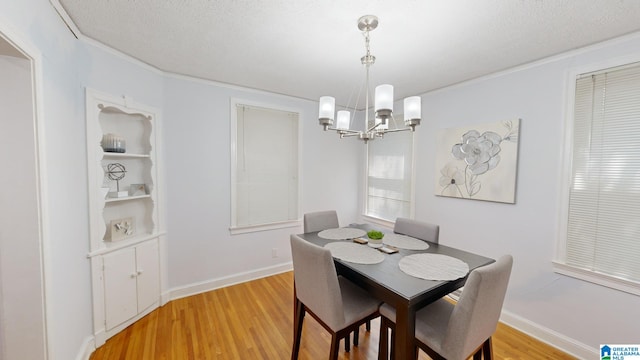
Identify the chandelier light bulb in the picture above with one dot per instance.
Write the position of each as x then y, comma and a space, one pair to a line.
384, 97
344, 118
383, 125
327, 107
412, 108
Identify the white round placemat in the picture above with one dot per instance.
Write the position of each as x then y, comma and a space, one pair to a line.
433, 267
404, 242
355, 253
341, 233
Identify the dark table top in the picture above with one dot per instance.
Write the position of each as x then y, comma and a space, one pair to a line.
391, 284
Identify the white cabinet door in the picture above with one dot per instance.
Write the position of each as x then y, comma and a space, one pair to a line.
131, 282
148, 274
120, 291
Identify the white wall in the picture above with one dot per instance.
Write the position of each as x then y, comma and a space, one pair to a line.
68, 65
538, 299
196, 151
21, 283
197, 154
197, 144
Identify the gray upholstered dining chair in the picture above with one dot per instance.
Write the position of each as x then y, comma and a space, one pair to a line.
320, 220
457, 331
417, 229
420, 230
339, 305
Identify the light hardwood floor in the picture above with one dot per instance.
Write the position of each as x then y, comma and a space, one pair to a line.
253, 320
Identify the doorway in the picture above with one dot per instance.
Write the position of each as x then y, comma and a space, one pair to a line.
22, 300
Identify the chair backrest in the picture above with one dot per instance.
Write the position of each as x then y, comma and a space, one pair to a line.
417, 229
475, 317
316, 281
320, 220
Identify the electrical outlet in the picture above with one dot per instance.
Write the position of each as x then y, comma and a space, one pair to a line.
274, 253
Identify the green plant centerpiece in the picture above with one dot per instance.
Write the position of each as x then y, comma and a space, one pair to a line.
375, 238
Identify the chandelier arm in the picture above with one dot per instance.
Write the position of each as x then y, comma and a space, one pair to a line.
351, 134
346, 131
374, 127
398, 130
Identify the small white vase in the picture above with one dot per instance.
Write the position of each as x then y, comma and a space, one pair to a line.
113, 143
375, 243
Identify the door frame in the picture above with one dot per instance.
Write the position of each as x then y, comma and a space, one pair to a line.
34, 56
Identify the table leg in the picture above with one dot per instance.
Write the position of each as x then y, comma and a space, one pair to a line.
405, 331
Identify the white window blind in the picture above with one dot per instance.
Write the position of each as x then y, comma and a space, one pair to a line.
603, 228
389, 176
266, 167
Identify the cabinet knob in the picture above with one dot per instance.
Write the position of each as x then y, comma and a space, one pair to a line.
140, 272
133, 275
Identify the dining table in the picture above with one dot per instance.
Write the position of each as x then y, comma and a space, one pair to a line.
386, 281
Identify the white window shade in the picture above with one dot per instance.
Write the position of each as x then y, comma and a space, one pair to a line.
266, 167
603, 228
389, 176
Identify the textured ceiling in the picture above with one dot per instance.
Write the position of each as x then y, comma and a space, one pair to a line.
309, 48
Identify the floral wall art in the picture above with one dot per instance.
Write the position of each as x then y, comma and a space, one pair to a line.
478, 162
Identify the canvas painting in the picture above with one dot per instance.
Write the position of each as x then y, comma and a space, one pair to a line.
478, 162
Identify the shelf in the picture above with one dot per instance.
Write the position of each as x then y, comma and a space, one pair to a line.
112, 155
111, 200
114, 109
113, 246
121, 293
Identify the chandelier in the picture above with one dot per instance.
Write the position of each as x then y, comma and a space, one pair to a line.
383, 101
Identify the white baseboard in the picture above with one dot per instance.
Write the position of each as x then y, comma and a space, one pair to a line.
165, 297
541, 333
213, 284
89, 344
86, 349
548, 336
99, 338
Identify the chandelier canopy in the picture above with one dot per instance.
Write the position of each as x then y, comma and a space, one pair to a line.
383, 101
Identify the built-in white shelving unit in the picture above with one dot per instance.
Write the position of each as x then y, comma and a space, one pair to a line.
124, 208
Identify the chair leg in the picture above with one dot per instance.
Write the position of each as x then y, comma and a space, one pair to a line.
297, 328
478, 354
356, 336
335, 344
347, 343
487, 349
393, 342
383, 343
383, 348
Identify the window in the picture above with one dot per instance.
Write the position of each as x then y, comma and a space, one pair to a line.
602, 231
264, 168
389, 177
